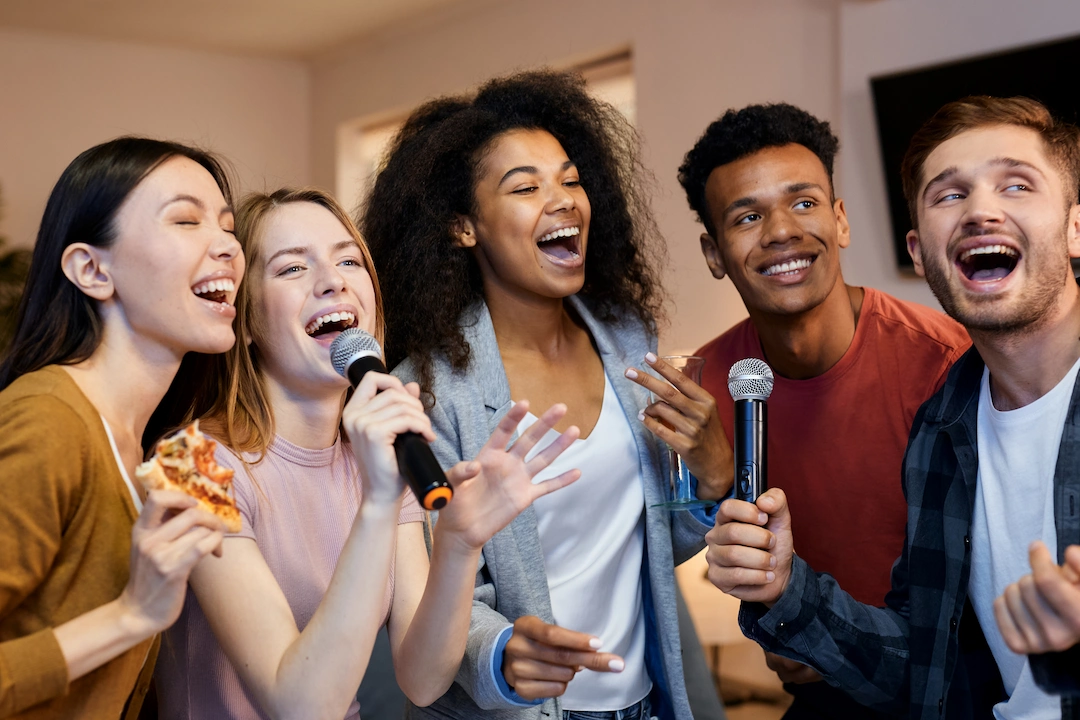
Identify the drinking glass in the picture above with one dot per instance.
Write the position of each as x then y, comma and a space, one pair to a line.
680, 495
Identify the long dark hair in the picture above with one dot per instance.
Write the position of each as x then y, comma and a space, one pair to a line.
429, 180
56, 323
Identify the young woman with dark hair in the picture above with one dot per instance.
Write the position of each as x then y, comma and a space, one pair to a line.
480, 225
135, 267
283, 624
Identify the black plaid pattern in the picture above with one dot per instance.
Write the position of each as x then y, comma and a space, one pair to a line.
905, 657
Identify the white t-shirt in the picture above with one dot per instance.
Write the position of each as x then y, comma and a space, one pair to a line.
1014, 505
593, 536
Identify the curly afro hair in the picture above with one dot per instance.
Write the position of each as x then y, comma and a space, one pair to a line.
743, 132
428, 182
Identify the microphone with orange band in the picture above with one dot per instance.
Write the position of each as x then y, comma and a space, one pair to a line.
355, 352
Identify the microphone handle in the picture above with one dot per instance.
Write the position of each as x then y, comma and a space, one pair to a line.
751, 449
416, 462
422, 471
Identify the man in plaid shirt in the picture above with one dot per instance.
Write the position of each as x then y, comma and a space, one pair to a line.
981, 621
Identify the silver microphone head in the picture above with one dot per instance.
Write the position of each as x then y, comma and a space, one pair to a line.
351, 344
750, 379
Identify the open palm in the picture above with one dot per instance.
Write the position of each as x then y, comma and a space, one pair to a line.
498, 484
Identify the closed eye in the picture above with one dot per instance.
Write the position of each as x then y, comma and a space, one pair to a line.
525, 190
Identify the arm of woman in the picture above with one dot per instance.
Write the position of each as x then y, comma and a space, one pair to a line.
42, 442
315, 673
428, 636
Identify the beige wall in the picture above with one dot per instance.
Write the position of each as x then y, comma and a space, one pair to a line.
60, 95
692, 60
894, 35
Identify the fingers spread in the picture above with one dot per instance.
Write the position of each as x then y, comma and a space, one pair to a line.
556, 483
462, 471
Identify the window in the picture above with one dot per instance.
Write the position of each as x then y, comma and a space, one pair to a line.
362, 143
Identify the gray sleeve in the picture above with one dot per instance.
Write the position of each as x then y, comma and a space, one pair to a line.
475, 674
687, 535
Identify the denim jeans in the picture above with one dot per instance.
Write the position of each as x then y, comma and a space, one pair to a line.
638, 711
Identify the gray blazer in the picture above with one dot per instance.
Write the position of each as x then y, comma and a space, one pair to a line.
511, 580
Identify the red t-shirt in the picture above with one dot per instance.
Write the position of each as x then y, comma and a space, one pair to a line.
836, 441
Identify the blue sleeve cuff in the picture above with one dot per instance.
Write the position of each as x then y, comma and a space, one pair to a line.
496, 672
707, 515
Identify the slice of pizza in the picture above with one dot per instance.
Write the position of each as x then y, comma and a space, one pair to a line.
185, 462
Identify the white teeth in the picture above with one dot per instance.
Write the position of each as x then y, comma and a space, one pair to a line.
210, 286
989, 250
564, 232
787, 267
318, 322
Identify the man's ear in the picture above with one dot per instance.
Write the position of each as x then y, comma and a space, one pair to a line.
915, 251
87, 268
710, 248
843, 229
1072, 232
463, 231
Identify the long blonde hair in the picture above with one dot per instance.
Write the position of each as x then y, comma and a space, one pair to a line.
241, 414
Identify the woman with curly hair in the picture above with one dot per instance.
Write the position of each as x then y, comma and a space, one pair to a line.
480, 225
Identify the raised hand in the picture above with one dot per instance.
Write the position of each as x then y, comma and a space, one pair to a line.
169, 538
497, 485
750, 548
381, 408
541, 659
1041, 611
685, 417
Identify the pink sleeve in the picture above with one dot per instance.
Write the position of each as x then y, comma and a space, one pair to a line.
410, 509
243, 490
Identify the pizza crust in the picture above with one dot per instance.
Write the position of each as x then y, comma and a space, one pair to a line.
211, 494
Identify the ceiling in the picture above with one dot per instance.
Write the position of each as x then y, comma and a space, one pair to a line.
282, 28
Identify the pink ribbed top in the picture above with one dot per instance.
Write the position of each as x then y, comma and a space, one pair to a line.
300, 516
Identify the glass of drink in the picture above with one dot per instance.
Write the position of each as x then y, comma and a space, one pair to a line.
680, 481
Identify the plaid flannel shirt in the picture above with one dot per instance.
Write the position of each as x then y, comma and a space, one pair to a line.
905, 657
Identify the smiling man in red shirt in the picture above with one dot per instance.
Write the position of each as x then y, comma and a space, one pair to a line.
852, 364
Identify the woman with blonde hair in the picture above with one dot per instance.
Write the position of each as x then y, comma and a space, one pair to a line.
331, 547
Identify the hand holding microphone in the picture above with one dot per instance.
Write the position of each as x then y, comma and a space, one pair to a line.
355, 352
750, 548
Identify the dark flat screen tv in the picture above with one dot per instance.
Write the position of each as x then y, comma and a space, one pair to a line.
904, 101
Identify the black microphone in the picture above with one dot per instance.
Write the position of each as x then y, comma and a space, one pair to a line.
353, 353
750, 383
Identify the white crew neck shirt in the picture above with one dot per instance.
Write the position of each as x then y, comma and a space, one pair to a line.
1014, 506
593, 537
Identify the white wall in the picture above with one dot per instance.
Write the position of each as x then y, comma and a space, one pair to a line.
693, 59
893, 35
61, 95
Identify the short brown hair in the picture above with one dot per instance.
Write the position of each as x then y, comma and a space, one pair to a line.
1062, 139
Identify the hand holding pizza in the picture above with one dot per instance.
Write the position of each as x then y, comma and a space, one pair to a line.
170, 537
381, 408
494, 488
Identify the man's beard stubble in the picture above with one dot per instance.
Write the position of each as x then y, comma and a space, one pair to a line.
988, 314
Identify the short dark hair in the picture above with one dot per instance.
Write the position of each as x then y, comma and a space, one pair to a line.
1061, 139
743, 132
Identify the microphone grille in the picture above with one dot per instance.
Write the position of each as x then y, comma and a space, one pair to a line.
348, 345
750, 379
